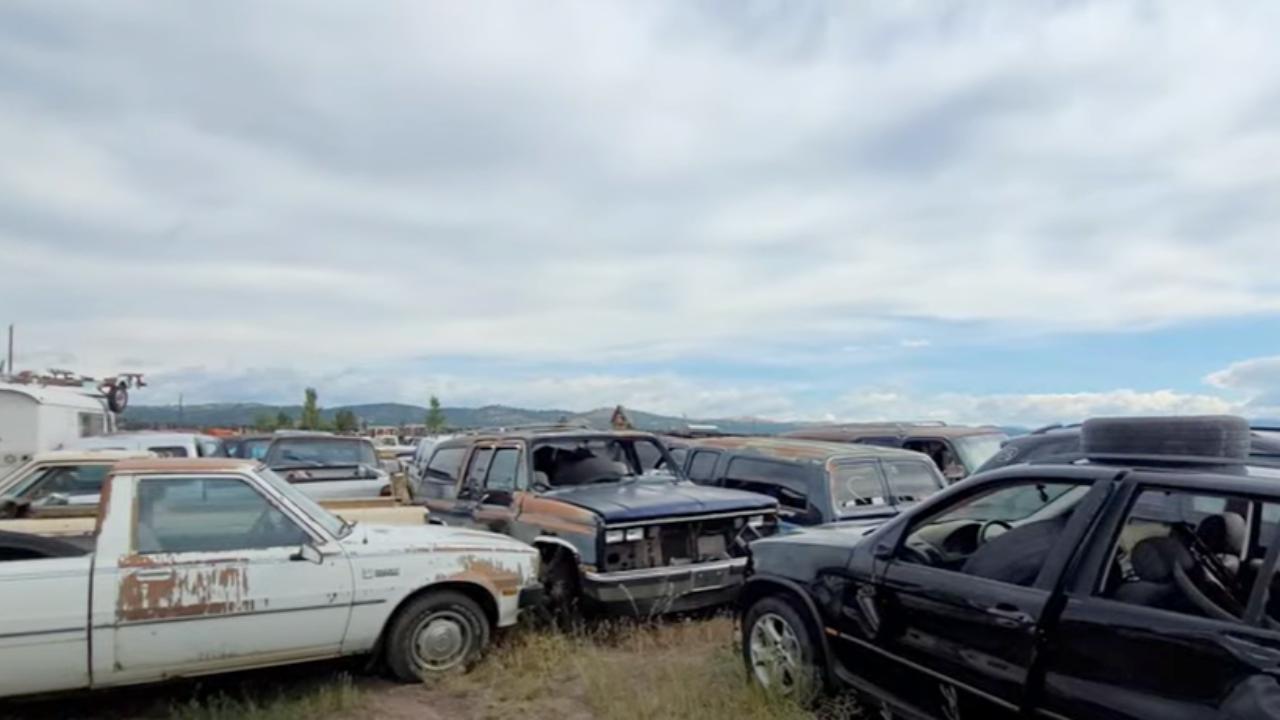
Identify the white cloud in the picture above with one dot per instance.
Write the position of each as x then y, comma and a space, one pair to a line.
309, 184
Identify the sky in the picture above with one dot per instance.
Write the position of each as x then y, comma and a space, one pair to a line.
974, 212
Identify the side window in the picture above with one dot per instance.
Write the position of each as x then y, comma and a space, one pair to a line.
784, 481
71, 480
857, 484
702, 467
210, 447
479, 467
169, 451
1004, 533
92, 424
911, 481
209, 515
445, 464
503, 470
1191, 552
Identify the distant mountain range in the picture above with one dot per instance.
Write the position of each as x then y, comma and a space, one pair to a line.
246, 414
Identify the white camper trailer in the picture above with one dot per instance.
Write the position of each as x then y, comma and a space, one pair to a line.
38, 414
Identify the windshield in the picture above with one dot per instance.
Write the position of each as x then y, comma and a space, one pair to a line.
333, 524
584, 461
977, 449
1015, 503
312, 452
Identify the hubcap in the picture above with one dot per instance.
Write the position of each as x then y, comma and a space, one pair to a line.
441, 641
775, 654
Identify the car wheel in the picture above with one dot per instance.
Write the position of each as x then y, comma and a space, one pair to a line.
779, 650
437, 634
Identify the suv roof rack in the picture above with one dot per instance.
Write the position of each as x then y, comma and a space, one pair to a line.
890, 423
1053, 426
1269, 460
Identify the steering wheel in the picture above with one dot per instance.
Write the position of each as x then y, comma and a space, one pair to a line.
986, 528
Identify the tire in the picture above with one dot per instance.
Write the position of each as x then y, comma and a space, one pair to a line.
436, 634
1206, 436
118, 398
769, 625
563, 595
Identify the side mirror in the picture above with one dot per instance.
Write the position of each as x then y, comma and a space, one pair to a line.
308, 553
883, 551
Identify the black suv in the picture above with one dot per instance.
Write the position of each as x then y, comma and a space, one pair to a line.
1137, 581
1046, 442
620, 528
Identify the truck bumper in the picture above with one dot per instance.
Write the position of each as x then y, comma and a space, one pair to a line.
656, 591
531, 596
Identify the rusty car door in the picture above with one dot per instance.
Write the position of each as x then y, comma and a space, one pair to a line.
215, 576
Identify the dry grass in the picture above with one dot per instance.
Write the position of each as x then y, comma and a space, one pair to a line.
316, 702
623, 671
678, 671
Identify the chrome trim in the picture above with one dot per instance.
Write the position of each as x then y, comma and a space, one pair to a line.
767, 512
662, 572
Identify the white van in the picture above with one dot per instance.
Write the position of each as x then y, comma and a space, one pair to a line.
36, 418
164, 444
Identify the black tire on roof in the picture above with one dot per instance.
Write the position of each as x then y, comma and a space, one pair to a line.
1214, 436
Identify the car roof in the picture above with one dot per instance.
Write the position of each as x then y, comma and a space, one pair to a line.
852, 431
106, 456
185, 465
785, 448
544, 433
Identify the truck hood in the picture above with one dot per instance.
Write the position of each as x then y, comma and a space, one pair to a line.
638, 501
428, 538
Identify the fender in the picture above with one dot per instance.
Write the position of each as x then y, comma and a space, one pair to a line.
756, 587
552, 540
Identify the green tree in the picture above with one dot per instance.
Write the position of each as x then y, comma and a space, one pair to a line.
265, 423
346, 421
283, 421
435, 421
310, 419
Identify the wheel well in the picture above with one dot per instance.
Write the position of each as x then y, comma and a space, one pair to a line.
482, 597
762, 588
553, 550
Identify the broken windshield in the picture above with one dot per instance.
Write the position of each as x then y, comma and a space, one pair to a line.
584, 461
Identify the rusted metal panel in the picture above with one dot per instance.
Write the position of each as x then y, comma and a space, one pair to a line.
152, 591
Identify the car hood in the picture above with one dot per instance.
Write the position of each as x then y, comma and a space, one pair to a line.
638, 501
430, 538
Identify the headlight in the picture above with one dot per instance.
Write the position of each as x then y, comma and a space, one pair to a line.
615, 536
756, 521
635, 534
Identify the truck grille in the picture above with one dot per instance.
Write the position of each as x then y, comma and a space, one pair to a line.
674, 543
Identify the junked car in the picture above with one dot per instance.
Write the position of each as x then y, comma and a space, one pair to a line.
617, 534
957, 450
66, 484
816, 482
164, 444
329, 466
196, 567
1134, 580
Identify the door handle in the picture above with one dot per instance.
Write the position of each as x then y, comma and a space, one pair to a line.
1007, 614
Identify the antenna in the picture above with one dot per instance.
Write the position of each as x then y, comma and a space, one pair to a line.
9, 363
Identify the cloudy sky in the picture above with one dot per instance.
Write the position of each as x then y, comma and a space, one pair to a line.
979, 211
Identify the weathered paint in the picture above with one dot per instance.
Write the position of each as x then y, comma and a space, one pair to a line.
185, 592
161, 615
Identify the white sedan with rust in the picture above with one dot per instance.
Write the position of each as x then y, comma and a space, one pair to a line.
215, 565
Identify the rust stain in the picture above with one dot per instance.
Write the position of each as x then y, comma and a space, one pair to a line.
495, 578
189, 590
556, 509
104, 504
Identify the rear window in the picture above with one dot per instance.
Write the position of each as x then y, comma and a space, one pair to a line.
912, 481
169, 451
857, 485
784, 481
335, 451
